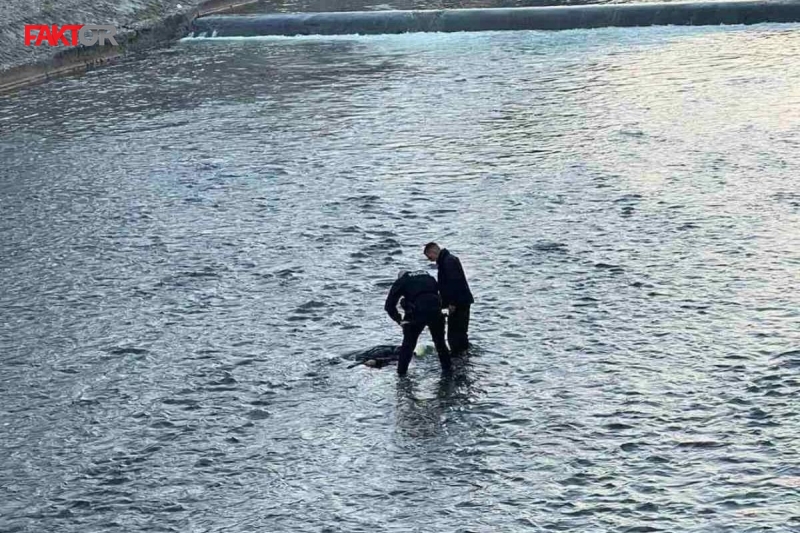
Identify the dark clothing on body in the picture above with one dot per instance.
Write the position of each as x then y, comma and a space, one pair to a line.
381, 355
423, 308
457, 326
420, 295
453, 284
455, 291
411, 334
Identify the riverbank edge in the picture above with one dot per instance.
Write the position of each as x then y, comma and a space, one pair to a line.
75, 60
543, 18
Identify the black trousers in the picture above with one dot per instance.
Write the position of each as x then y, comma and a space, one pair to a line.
411, 333
457, 326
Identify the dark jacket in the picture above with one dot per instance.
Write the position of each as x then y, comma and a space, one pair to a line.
382, 355
453, 284
421, 297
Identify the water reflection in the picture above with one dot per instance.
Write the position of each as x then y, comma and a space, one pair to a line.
424, 412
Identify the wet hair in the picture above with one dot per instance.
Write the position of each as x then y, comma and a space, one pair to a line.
429, 246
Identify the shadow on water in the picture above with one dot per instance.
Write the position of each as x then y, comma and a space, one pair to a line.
423, 413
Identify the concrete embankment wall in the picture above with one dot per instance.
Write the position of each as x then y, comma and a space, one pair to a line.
524, 18
142, 24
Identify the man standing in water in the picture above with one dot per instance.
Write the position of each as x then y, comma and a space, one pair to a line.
456, 296
422, 308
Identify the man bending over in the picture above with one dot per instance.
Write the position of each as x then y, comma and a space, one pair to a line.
422, 308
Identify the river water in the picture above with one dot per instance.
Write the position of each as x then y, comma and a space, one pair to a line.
191, 238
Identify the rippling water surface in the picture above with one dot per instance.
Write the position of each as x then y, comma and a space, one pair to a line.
191, 239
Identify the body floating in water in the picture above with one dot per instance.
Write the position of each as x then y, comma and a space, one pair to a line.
379, 356
376, 357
